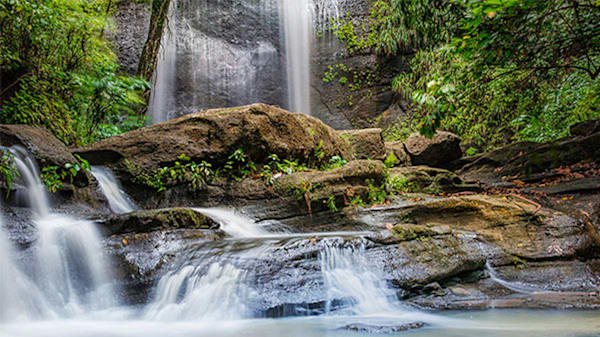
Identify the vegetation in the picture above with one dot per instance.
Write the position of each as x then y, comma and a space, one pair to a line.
57, 70
494, 71
55, 177
8, 170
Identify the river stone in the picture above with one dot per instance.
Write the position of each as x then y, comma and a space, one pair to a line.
213, 135
437, 151
382, 329
366, 143
158, 219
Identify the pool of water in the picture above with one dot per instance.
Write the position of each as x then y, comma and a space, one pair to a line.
500, 323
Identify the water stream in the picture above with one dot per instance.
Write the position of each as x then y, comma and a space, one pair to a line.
118, 200
213, 290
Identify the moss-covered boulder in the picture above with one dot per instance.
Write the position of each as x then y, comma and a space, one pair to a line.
158, 219
365, 143
339, 187
424, 179
258, 130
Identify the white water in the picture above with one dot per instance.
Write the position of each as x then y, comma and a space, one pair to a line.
118, 200
162, 104
234, 223
71, 271
347, 273
297, 20
195, 294
28, 170
517, 287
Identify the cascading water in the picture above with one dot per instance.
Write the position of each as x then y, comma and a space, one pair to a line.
118, 200
162, 106
233, 223
347, 273
298, 20
70, 267
202, 65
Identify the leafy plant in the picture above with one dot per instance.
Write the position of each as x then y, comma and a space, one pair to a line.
331, 203
8, 170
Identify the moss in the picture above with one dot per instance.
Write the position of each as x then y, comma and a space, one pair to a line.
407, 232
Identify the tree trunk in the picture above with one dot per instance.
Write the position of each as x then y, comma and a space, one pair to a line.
149, 57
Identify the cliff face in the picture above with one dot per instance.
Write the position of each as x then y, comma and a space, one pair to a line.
132, 21
230, 52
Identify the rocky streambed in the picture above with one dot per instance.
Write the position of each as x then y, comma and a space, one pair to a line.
292, 218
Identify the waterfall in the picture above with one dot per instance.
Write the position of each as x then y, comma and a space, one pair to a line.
347, 273
233, 223
118, 200
28, 169
71, 269
217, 54
297, 21
162, 99
197, 293
19, 297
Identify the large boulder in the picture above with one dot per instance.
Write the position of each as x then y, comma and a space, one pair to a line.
47, 150
437, 151
366, 143
259, 130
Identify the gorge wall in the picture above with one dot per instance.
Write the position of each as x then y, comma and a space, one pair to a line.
232, 52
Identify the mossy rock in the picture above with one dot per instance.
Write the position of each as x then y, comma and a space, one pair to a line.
152, 220
424, 179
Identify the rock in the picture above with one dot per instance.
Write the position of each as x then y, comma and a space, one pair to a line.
382, 329
132, 20
397, 148
366, 143
153, 220
407, 232
315, 188
585, 128
438, 151
49, 151
528, 158
423, 179
213, 135
509, 223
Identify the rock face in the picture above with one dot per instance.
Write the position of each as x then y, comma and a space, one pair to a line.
132, 21
438, 151
366, 143
259, 130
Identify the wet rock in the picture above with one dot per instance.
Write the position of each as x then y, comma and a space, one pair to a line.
316, 188
366, 143
146, 221
214, 135
437, 151
49, 151
132, 20
585, 128
397, 148
424, 179
382, 329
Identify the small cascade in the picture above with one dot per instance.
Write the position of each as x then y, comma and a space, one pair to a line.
70, 265
20, 298
28, 170
297, 17
517, 287
347, 273
327, 14
233, 223
118, 200
198, 293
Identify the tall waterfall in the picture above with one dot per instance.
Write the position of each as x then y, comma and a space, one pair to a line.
298, 19
69, 264
118, 200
